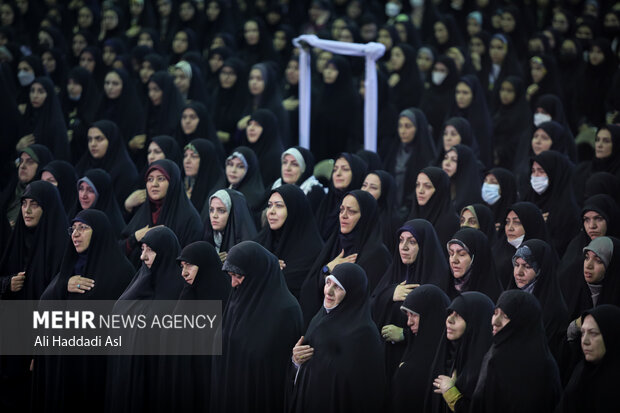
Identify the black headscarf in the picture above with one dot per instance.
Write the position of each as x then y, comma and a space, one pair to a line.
240, 225
603, 183
388, 212
163, 119
260, 52
592, 386
47, 122
170, 148
553, 105
210, 283
484, 216
481, 275
465, 131
229, 104
327, 214
346, 368
268, 147
558, 199
463, 356
466, 181
298, 241
64, 173
437, 98
204, 130
210, 175
408, 90
518, 372
508, 194
364, 239
410, 381
37, 251
252, 183
116, 161
438, 209
255, 353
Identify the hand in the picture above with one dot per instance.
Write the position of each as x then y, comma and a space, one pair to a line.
531, 90
79, 284
243, 123
444, 383
302, 352
394, 79
341, 259
545, 216
139, 234
610, 117
282, 264
290, 103
476, 61
24, 142
392, 333
17, 281
136, 198
223, 255
223, 136
137, 142
402, 290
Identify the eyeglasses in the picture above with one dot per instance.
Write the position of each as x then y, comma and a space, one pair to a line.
79, 228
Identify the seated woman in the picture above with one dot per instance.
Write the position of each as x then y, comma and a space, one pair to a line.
456, 367
419, 260
203, 173
463, 169
255, 353
298, 169
519, 373
291, 234
499, 192
229, 221
357, 240
424, 309
263, 137
243, 175
382, 187
591, 387
339, 357
196, 123
167, 205
535, 267
479, 216
471, 264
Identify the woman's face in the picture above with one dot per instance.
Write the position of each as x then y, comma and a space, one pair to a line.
87, 61
476, 45
97, 143
406, 130
350, 214
451, 137
460, 260
424, 62
251, 33
523, 272
513, 228
191, 162
473, 27
450, 162
110, 20
189, 121
330, 74
86, 195
218, 214
455, 326
27, 168
592, 343
38, 94
228, 77
216, 61
507, 93
186, 11
537, 170
413, 322
113, 85
321, 61
49, 62
85, 18
441, 33
497, 51
464, 95
385, 39
74, 89
181, 81
78, 44
147, 256
80, 236
146, 71
537, 71
499, 320
424, 189
560, 22
342, 174
397, 58
31, 212
212, 11
593, 268
291, 170
333, 294
541, 141
235, 171
180, 43
109, 55
469, 220
276, 211
292, 72
372, 185
508, 23
256, 83
594, 224
596, 56
279, 40
154, 153
155, 93
408, 248
253, 131
603, 144
145, 39
156, 185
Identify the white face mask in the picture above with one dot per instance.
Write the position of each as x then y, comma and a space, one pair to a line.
540, 118
539, 183
439, 77
392, 9
490, 193
517, 241
25, 78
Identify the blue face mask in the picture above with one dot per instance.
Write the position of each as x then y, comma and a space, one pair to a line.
490, 193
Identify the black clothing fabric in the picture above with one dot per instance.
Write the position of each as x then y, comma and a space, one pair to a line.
547, 290
210, 176
251, 184
345, 372
298, 241
164, 118
268, 147
105, 200
484, 217
438, 210
437, 98
603, 183
481, 275
47, 122
327, 214
518, 372
592, 386
364, 239
465, 355
239, 227
408, 91
205, 130
171, 150
261, 323
429, 267
508, 194
410, 381
229, 103
388, 212
177, 213
115, 161
558, 199
466, 181
65, 176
